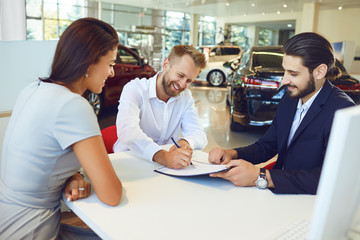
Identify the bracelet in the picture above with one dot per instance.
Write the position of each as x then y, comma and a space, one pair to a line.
80, 174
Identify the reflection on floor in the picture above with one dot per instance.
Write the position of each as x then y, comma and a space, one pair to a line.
215, 118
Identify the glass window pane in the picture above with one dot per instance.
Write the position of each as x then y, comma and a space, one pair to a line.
51, 29
34, 29
50, 10
70, 12
63, 24
239, 36
265, 37
33, 8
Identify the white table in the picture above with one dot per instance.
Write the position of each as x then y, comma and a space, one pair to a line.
156, 206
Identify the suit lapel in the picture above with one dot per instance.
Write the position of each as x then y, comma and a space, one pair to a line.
314, 109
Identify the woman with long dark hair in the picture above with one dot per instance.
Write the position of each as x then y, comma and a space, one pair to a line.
52, 132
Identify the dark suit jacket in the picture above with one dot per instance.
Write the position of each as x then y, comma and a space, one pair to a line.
298, 167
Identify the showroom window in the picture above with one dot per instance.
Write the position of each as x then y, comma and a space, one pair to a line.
265, 37
239, 36
176, 29
207, 31
47, 19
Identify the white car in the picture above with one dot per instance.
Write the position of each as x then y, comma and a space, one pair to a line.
215, 73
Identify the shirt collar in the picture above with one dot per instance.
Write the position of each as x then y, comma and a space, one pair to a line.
152, 88
308, 103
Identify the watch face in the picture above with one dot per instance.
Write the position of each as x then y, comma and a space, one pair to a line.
261, 183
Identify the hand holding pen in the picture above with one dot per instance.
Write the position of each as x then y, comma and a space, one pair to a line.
179, 156
178, 146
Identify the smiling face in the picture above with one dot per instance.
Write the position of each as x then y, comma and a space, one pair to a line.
100, 71
299, 81
177, 76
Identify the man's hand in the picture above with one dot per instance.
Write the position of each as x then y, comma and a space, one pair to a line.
177, 158
221, 156
76, 188
241, 173
183, 144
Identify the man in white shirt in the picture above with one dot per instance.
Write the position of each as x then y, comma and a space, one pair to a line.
152, 111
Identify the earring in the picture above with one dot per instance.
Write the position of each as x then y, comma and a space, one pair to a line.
86, 75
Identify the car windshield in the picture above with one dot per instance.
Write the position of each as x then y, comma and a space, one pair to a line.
266, 60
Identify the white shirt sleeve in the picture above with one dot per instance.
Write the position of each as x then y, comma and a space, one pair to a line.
130, 135
191, 128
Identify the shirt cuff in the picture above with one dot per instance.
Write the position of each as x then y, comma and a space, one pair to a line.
150, 151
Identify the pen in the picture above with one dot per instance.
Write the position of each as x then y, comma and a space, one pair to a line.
178, 146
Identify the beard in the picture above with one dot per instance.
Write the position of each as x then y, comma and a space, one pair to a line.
310, 87
167, 85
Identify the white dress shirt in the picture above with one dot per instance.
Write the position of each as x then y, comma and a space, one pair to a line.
301, 111
144, 121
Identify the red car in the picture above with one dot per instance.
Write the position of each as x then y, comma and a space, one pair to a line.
128, 65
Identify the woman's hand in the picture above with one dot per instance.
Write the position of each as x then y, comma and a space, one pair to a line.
76, 188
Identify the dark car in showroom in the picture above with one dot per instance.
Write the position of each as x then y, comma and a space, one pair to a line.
128, 65
254, 92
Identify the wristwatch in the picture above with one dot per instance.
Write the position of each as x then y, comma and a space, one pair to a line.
261, 181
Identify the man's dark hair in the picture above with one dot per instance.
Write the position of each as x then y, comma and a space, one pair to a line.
314, 50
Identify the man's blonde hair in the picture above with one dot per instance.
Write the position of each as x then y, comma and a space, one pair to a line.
180, 50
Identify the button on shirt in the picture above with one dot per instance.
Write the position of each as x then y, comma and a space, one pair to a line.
300, 114
144, 122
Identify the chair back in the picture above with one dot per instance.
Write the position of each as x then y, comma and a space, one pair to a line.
109, 136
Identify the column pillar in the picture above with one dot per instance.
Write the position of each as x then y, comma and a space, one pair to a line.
12, 20
194, 30
309, 17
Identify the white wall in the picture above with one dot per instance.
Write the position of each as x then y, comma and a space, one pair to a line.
20, 63
338, 26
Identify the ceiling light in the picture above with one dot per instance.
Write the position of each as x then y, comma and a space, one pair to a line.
289, 25
227, 4
245, 14
278, 12
285, 5
263, 13
340, 7
203, 1
253, 4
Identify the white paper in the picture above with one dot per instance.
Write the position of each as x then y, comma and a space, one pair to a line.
198, 168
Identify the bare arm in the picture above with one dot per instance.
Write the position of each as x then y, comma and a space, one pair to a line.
93, 158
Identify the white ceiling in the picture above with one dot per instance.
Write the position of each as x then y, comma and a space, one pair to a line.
226, 8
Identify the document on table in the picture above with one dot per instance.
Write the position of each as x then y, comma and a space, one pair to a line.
197, 168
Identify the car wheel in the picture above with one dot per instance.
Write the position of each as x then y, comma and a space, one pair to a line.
236, 127
96, 102
216, 77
